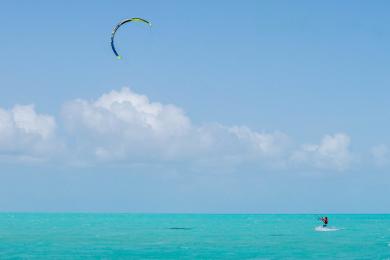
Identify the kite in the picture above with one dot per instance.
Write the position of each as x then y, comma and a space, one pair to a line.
119, 25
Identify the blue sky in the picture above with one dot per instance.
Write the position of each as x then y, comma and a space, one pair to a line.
268, 106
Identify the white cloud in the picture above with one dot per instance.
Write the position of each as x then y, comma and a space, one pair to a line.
127, 112
380, 154
123, 126
332, 153
24, 134
265, 144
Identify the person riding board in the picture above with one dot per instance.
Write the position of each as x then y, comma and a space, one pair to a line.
324, 220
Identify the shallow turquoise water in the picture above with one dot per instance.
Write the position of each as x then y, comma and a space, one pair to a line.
170, 236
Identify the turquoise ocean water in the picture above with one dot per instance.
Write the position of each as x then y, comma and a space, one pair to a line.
192, 236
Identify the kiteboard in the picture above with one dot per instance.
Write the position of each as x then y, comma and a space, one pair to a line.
325, 229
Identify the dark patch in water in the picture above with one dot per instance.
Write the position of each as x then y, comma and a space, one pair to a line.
276, 235
180, 228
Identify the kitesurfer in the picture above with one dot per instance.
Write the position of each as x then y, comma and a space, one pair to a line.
324, 220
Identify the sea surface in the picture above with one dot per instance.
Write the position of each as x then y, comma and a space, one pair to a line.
192, 236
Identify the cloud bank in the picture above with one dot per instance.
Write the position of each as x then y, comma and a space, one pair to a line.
331, 153
25, 134
126, 127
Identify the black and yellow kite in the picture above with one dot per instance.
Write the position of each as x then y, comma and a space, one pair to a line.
119, 25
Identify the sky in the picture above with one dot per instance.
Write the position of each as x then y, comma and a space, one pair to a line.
222, 107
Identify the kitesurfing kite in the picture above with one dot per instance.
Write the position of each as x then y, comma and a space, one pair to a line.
119, 25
